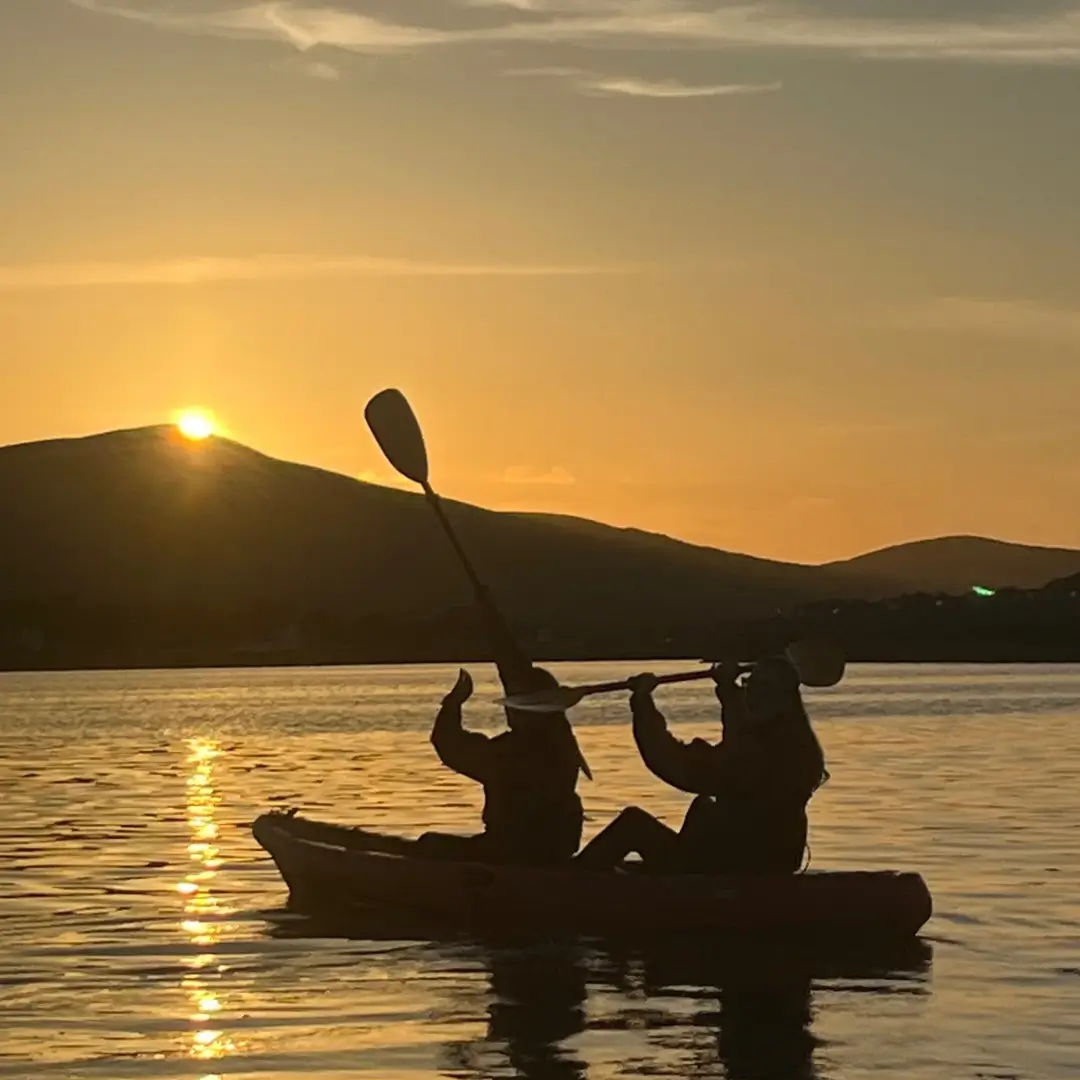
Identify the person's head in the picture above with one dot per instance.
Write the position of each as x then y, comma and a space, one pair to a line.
556, 725
774, 704
530, 681
772, 691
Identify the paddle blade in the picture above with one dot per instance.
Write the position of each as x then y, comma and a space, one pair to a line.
396, 430
819, 662
555, 700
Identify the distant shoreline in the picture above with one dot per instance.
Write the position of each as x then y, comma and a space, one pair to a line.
283, 663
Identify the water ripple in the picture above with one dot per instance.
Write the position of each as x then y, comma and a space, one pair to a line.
142, 933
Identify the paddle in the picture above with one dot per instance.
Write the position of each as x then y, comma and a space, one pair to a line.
397, 431
819, 663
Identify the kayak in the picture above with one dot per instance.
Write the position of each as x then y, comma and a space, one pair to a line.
328, 866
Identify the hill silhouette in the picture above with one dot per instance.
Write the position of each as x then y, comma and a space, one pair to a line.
147, 515
138, 536
953, 564
1070, 584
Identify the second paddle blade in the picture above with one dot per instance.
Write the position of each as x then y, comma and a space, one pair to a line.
396, 430
818, 661
556, 700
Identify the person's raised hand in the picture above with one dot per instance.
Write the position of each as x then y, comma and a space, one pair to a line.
462, 690
726, 673
645, 683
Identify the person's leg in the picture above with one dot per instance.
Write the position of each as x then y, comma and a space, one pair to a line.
702, 817
715, 839
633, 830
704, 844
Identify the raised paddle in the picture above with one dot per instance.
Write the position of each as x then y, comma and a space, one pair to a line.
819, 663
397, 431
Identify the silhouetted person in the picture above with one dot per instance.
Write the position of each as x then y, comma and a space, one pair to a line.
538, 997
539, 1002
532, 812
762, 1028
756, 995
752, 788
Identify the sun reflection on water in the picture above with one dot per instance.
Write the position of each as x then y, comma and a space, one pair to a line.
203, 909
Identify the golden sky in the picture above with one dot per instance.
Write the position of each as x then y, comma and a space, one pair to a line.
793, 277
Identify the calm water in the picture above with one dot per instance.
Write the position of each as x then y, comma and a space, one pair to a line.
141, 932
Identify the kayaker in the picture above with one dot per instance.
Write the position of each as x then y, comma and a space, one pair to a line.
532, 812
752, 787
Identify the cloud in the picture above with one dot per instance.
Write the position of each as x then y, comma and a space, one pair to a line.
629, 86
849, 429
589, 82
556, 476
316, 69
1017, 318
298, 24
311, 69
1025, 34
204, 270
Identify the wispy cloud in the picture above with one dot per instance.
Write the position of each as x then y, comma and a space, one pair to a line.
302, 64
197, 271
628, 86
858, 429
301, 25
317, 69
1017, 318
591, 82
556, 476
1028, 34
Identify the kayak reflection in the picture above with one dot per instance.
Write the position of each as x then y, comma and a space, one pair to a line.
744, 1010
708, 1008
536, 1009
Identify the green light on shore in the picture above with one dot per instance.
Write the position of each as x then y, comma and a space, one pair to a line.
981, 590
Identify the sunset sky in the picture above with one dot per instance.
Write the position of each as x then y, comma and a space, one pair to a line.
793, 277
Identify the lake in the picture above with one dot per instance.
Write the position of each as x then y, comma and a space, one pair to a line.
142, 932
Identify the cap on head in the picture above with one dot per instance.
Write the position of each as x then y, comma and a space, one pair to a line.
526, 679
819, 661
531, 680
539, 678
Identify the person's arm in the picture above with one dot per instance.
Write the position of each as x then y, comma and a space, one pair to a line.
466, 752
697, 767
732, 697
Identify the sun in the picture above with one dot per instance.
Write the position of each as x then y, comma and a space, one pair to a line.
195, 424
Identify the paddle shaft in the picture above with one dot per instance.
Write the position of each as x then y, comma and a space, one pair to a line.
483, 597
625, 684
397, 431
436, 504
497, 626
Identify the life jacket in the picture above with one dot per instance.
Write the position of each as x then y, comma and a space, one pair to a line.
531, 807
755, 828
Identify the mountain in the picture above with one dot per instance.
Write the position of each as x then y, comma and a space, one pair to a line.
145, 516
1070, 584
116, 533
954, 564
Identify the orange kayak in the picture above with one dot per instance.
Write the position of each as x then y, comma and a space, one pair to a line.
333, 866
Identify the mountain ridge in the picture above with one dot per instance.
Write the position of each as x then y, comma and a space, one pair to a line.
143, 516
1004, 562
